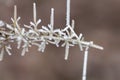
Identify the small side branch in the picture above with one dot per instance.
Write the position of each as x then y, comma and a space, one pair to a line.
34, 13
68, 13
52, 17
85, 64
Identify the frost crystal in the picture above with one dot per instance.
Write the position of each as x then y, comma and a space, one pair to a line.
1, 23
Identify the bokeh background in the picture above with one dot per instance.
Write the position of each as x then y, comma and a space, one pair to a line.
98, 20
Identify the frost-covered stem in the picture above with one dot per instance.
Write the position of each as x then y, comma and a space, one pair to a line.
15, 12
66, 51
73, 24
80, 37
15, 19
68, 13
52, 17
1, 54
85, 64
34, 12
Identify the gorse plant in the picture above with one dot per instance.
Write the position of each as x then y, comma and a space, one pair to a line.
30, 35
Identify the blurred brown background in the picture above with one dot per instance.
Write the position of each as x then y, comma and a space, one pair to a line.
98, 20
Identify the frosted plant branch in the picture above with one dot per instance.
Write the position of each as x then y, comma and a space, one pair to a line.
40, 37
